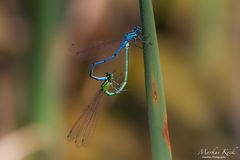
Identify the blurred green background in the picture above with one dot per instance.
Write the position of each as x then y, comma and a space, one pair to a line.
44, 86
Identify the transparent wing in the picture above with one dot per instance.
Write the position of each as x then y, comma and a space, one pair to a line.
84, 127
95, 50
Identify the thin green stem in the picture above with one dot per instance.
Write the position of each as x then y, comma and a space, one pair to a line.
160, 143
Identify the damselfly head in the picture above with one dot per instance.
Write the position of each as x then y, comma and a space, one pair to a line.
109, 75
137, 29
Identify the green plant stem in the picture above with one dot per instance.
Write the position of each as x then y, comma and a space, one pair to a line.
160, 143
211, 20
44, 75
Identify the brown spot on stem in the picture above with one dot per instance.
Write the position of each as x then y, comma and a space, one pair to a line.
166, 133
154, 91
155, 97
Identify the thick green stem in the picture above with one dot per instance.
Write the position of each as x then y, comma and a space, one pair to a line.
44, 72
211, 20
160, 143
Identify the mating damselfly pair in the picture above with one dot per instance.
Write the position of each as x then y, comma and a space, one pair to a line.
84, 126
